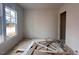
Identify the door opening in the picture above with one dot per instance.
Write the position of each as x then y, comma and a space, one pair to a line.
63, 27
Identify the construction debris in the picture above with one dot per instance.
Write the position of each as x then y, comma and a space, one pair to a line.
52, 47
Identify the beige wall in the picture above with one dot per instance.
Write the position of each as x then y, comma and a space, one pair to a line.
72, 25
41, 23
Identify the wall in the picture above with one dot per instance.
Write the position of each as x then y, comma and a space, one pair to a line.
8, 44
72, 25
1, 26
41, 23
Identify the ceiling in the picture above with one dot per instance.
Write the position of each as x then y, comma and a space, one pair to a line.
40, 5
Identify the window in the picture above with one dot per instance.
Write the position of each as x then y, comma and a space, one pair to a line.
11, 22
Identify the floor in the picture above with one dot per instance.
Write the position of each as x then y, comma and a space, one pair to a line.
22, 45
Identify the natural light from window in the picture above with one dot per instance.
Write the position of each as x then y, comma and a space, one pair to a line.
11, 22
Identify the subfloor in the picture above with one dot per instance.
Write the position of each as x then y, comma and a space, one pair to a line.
22, 45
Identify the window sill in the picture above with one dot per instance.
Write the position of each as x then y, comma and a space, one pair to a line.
11, 37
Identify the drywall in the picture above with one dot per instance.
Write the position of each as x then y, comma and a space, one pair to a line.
1, 26
72, 25
41, 23
8, 44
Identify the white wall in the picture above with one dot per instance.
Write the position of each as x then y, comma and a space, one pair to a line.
1, 26
5, 46
72, 25
41, 23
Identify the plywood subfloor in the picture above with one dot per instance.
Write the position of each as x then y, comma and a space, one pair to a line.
22, 45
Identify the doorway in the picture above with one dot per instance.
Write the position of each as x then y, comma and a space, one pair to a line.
63, 27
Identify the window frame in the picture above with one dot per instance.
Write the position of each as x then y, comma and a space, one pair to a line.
11, 9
